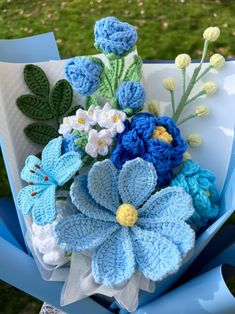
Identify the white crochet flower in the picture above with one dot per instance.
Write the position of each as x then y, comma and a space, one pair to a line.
82, 121
44, 241
98, 143
66, 126
92, 112
111, 119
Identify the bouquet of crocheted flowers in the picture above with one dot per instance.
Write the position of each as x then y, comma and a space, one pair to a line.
114, 184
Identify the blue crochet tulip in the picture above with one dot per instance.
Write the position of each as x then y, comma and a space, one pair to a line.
199, 183
131, 95
44, 176
156, 140
114, 36
69, 145
84, 74
125, 226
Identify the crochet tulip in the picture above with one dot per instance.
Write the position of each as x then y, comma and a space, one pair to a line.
44, 176
130, 95
84, 74
126, 227
199, 183
156, 140
114, 36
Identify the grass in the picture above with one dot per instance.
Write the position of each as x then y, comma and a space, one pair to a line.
165, 28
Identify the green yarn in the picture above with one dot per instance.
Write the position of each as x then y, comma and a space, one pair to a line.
40, 133
133, 72
61, 97
36, 80
34, 107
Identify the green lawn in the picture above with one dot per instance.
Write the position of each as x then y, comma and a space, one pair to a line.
165, 29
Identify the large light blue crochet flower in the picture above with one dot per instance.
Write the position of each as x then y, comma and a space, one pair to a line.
44, 176
125, 227
199, 183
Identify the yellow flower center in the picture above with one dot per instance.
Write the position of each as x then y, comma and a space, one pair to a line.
81, 120
102, 143
126, 215
161, 134
116, 118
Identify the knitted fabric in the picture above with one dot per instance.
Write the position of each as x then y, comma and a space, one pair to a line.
199, 183
84, 74
114, 36
155, 245
130, 95
69, 145
137, 141
44, 176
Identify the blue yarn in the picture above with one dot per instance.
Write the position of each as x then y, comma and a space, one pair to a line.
198, 182
155, 245
130, 95
114, 36
69, 145
137, 141
84, 74
44, 176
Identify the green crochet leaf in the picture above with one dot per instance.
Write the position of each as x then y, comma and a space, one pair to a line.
72, 111
34, 107
61, 97
36, 80
90, 100
117, 67
40, 133
133, 73
82, 140
87, 160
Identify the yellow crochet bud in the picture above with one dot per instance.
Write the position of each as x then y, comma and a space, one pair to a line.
211, 33
210, 88
187, 156
161, 134
169, 83
201, 111
126, 215
154, 107
217, 61
182, 61
194, 140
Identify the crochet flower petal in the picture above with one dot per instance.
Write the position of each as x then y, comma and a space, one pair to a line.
103, 184
29, 172
66, 167
44, 211
50, 154
79, 233
25, 200
156, 256
173, 202
84, 202
176, 231
114, 262
137, 180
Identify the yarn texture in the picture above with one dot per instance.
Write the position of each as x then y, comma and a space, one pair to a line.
142, 138
84, 74
114, 36
44, 176
130, 95
199, 183
157, 238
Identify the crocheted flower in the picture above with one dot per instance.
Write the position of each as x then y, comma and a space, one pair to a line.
114, 36
156, 140
66, 126
82, 121
44, 176
84, 74
125, 227
69, 145
98, 143
130, 95
199, 183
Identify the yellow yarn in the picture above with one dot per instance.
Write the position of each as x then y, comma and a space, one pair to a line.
126, 215
116, 118
81, 120
161, 134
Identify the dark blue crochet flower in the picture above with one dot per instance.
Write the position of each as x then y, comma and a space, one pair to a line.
84, 74
156, 140
130, 95
199, 183
114, 36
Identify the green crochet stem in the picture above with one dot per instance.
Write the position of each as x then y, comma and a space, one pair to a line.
204, 72
183, 75
190, 86
195, 97
189, 117
172, 100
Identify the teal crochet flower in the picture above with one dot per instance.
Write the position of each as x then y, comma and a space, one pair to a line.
125, 227
199, 183
44, 177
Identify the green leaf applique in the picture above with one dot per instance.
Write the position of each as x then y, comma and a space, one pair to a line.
61, 97
133, 72
36, 80
34, 107
40, 133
